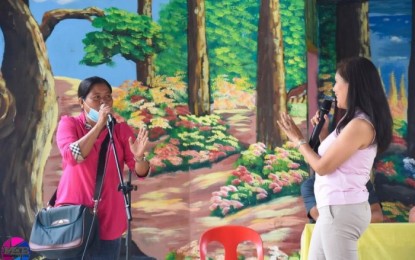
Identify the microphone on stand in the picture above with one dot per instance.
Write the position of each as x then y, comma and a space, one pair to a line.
110, 122
324, 110
110, 119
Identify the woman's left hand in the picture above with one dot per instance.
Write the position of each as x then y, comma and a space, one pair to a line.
138, 146
286, 123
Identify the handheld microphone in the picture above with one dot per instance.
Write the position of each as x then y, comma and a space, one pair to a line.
324, 110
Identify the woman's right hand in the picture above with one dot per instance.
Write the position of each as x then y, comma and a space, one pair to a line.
325, 129
104, 111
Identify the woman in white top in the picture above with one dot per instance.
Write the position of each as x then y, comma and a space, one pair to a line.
345, 157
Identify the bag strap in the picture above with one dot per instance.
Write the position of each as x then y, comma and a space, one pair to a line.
101, 167
100, 173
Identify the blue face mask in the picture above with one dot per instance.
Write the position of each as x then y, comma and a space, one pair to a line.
92, 114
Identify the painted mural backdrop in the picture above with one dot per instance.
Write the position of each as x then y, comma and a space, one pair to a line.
217, 157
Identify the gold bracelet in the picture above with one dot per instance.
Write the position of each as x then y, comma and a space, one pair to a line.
300, 143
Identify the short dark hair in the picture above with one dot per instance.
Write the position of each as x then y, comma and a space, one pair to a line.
367, 94
86, 85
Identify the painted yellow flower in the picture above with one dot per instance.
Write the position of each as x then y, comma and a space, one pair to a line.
160, 96
159, 122
136, 122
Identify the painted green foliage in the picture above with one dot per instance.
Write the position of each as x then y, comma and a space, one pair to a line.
327, 44
232, 38
133, 36
293, 30
232, 32
173, 21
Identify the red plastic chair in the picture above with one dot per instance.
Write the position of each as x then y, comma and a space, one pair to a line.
230, 237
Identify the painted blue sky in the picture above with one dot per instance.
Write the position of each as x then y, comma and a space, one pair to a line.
390, 37
65, 47
390, 25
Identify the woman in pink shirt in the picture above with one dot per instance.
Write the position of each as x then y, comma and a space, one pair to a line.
345, 158
79, 140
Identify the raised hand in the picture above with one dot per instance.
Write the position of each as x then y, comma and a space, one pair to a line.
138, 145
286, 123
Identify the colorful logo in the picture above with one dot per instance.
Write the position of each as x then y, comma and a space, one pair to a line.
15, 248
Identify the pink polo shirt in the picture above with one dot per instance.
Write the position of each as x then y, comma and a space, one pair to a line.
347, 184
77, 182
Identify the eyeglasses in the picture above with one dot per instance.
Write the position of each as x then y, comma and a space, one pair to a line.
97, 98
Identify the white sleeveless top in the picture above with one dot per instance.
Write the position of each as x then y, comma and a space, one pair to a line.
347, 184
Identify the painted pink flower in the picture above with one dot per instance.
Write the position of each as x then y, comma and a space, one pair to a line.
216, 155
267, 166
215, 193
175, 160
157, 162
247, 178
237, 204
261, 196
224, 203
225, 210
261, 190
236, 173
236, 182
277, 189
242, 169
272, 185
273, 176
213, 206
232, 188
228, 148
205, 128
223, 193
174, 141
294, 165
216, 199
224, 188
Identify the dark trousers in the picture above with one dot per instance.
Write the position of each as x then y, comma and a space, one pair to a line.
102, 250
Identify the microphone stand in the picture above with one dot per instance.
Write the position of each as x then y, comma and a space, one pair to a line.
126, 189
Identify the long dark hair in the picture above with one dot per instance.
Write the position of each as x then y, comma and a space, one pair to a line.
366, 93
86, 85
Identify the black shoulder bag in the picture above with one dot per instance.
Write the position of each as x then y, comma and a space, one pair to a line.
68, 231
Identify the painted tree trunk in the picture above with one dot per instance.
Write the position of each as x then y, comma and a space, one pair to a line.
145, 68
27, 75
311, 24
271, 91
198, 63
411, 93
352, 34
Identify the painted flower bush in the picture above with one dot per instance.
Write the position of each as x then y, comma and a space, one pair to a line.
181, 140
261, 175
397, 169
232, 95
394, 170
395, 211
194, 142
156, 108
